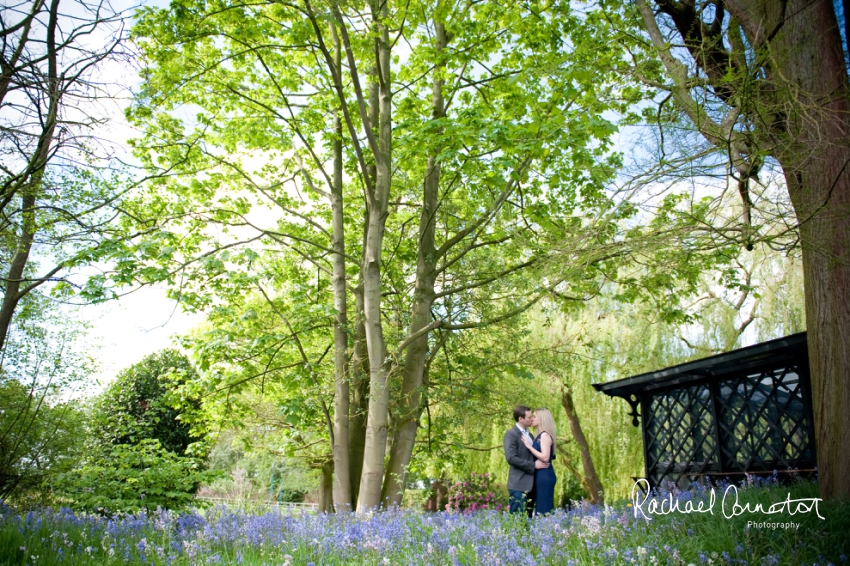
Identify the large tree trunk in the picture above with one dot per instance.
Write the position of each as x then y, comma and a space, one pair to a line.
423, 297
813, 150
590, 482
376, 426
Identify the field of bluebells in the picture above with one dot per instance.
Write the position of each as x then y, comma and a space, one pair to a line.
582, 535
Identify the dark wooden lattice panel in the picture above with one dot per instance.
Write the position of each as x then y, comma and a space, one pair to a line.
680, 434
747, 410
763, 423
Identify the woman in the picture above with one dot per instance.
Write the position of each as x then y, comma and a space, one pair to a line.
543, 449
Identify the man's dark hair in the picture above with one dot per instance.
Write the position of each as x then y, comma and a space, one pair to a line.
520, 411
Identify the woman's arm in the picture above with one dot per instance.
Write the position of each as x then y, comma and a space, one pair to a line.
545, 447
545, 444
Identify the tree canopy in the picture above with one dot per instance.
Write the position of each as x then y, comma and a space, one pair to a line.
430, 168
60, 191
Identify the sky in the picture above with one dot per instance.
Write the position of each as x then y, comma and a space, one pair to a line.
126, 330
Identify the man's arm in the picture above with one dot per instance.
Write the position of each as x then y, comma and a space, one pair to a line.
512, 454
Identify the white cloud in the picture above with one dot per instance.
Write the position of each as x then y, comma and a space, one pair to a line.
143, 322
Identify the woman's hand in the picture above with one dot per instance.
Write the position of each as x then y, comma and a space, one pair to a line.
526, 441
540, 465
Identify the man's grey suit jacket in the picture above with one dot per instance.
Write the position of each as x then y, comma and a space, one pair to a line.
521, 461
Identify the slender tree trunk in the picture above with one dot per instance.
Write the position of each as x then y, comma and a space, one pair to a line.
376, 425
326, 489
11, 295
377, 419
341, 457
591, 481
31, 183
360, 361
359, 409
423, 297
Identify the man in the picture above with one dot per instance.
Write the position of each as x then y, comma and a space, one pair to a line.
522, 463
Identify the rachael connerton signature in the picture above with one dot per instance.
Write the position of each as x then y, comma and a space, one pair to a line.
729, 504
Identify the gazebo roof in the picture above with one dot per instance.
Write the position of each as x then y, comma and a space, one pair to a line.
744, 360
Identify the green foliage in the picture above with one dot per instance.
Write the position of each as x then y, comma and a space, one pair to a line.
42, 369
471, 395
532, 107
609, 340
783, 309
39, 437
535, 96
473, 385
251, 365
256, 472
142, 403
132, 477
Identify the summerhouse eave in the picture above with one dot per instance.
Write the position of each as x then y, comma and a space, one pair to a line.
748, 359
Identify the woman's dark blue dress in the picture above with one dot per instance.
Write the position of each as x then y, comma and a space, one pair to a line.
544, 482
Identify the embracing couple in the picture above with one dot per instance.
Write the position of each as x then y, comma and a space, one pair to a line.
531, 479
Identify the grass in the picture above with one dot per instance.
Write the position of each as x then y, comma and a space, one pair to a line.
584, 535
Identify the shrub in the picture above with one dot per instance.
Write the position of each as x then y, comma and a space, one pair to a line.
140, 456
474, 493
132, 477
143, 403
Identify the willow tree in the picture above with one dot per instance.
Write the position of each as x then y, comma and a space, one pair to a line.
766, 83
422, 157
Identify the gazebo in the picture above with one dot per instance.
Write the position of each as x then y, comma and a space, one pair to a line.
745, 411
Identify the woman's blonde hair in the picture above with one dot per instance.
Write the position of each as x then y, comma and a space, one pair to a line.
547, 423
